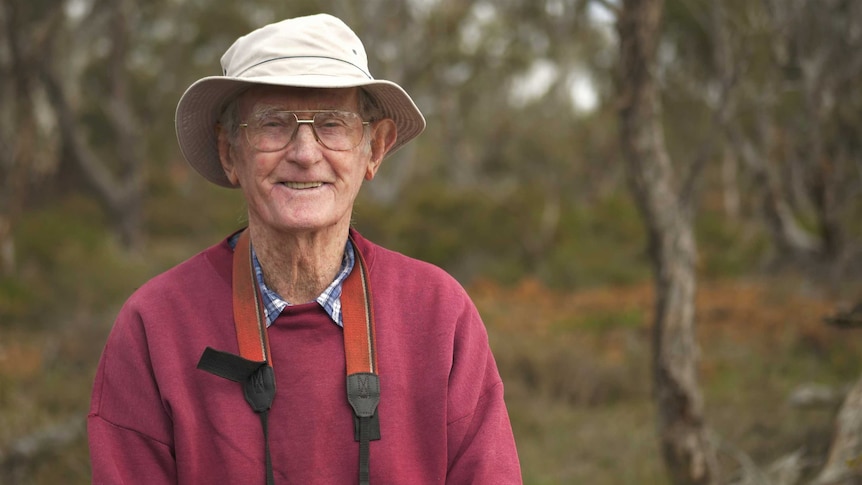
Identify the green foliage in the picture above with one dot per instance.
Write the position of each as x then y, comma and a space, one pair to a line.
602, 323
62, 233
67, 262
184, 205
452, 229
727, 250
605, 243
473, 235
17, 299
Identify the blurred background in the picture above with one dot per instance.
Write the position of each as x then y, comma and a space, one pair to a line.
518, 188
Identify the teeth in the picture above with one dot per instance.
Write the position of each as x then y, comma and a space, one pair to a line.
303, 185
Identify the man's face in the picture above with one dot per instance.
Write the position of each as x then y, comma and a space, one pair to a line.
305, 186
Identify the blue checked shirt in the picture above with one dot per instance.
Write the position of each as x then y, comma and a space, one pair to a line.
330, 299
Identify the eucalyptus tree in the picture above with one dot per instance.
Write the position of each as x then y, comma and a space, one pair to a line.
688, 453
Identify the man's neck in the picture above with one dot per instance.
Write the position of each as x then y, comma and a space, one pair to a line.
299, 266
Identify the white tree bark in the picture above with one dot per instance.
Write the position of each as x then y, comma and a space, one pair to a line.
688, 453
844, 464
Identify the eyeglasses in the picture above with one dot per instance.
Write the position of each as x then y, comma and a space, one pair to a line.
335, 130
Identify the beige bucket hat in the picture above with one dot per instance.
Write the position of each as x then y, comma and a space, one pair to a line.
318, 51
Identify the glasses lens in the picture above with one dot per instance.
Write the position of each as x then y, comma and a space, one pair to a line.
272, 132
338, 130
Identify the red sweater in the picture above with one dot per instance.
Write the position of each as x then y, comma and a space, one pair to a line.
156, 419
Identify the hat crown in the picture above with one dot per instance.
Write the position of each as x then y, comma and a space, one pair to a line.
313, 45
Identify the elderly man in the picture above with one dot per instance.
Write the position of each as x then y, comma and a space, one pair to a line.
296, 351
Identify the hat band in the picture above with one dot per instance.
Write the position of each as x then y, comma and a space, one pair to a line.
263, 65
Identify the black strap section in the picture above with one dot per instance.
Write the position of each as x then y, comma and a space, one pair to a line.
365, 451
363, 393
372, 426
264, 418
258, 382
226, 365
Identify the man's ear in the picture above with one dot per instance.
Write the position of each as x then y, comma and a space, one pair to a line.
225, 155
383, 136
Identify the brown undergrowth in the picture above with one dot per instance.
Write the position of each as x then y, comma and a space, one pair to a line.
577, 371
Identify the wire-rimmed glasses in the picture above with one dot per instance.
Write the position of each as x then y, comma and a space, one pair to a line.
336, 130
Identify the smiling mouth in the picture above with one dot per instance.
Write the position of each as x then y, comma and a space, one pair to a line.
302, 185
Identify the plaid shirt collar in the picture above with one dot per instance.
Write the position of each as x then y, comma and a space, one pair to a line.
330, 299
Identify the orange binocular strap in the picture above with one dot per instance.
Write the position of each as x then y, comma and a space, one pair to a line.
248, 315
253, 367
356, 311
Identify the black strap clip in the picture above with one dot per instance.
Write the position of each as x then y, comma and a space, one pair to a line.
257, 378
363, 393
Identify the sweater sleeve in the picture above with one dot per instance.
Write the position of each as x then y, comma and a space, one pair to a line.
129, 429
481, 443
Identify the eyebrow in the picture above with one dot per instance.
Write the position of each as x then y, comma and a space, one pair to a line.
265, 110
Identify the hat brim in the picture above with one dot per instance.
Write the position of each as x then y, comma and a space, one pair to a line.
201, 106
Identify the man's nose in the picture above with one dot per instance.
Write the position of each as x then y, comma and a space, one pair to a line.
304, 146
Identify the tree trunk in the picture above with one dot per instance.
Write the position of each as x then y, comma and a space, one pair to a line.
844, 465
128, 219
120, 190
688, 454
17, 144
788, 235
